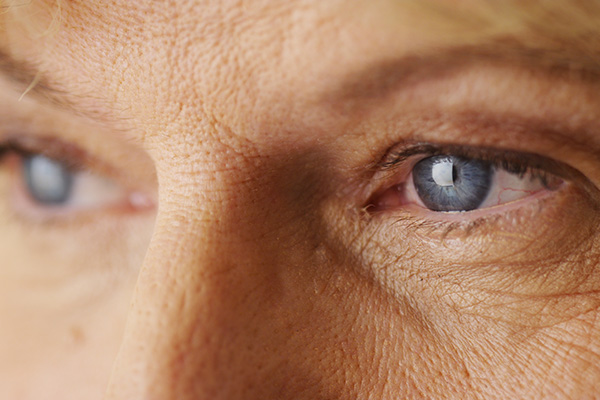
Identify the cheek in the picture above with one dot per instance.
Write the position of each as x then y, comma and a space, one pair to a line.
532, 251
518, 293
524, 359
64, 301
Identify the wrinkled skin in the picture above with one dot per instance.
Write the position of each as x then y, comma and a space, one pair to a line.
255, 268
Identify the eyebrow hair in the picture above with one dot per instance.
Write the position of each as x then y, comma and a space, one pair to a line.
27, 75
377, 81
32, 80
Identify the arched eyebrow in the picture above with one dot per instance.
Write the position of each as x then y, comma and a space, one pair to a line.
374, 82
379, 79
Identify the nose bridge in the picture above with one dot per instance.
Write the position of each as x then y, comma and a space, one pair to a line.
201, 283
220, 292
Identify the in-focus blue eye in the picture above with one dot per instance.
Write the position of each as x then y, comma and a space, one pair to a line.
49, 182
451, 183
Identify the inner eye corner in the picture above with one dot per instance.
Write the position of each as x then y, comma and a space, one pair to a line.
387, 197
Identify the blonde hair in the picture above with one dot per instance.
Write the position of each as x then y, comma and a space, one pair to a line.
545, 18
22, 12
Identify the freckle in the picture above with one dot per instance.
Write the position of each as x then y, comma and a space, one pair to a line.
77, 335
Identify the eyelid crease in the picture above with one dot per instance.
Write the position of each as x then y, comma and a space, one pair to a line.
72, 156
511, 161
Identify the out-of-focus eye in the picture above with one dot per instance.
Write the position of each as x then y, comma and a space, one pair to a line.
48, 181
48, 186
51, 185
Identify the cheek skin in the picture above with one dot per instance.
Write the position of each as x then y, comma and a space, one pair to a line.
63, 312
520, 298
296, 325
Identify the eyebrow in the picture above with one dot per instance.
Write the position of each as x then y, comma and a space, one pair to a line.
32, 81
377, 81
27, 75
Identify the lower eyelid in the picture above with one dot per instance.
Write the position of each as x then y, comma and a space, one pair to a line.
517, 219
395, 198
473, 215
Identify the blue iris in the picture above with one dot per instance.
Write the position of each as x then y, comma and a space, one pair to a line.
49, 182
451, 183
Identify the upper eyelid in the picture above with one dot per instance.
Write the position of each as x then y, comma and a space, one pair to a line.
487, 129
70, 155
402, 153
500, 157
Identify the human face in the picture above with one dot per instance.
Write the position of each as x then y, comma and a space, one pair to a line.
243, 220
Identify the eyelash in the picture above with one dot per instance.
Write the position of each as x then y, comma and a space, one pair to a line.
517, 163
512, 162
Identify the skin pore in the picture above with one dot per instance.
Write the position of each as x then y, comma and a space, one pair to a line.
244, 253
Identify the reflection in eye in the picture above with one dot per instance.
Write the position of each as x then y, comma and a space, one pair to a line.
48, 181
454, 183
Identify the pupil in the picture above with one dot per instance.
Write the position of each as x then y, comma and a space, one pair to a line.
48, 181
450, 183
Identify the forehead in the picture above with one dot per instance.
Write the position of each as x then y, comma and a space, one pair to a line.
185, 66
